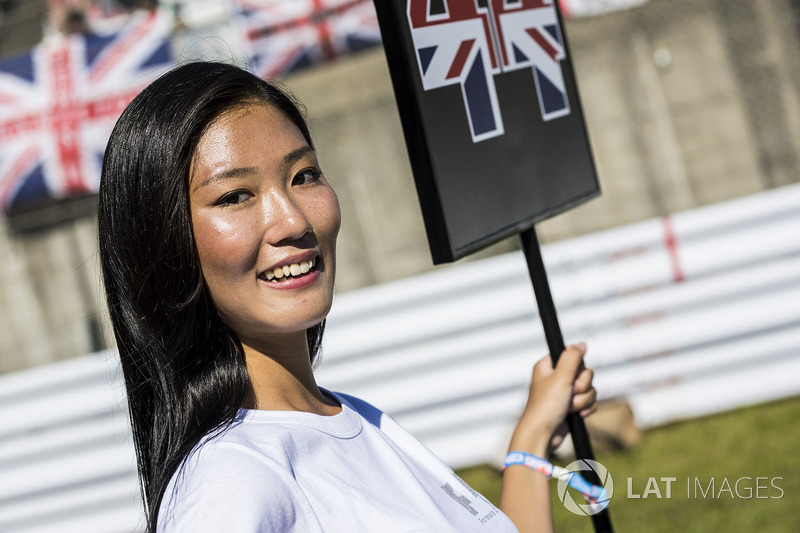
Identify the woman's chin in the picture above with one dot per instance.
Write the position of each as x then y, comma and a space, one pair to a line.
277, 331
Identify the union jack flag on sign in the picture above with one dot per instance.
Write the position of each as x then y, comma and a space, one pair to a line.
283, 36
455, 47
460, 42
530, 37
59, 102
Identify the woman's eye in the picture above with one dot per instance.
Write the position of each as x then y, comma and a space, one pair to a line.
234, 198
306, 176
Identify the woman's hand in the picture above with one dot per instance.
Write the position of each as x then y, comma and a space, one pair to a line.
554, 392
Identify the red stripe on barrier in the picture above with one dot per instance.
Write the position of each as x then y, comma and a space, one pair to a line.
671, 244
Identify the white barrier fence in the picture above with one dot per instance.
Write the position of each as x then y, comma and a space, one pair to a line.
684, 316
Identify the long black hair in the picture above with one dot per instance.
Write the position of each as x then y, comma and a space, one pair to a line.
184, 369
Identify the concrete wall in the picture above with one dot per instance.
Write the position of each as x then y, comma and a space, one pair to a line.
51, 303
20, 25
688, 102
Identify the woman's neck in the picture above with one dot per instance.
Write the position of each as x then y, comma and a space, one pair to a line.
281, 378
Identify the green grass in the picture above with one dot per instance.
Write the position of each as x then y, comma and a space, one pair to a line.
759, 441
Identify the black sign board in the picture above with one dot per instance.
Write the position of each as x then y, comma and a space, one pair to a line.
491, 116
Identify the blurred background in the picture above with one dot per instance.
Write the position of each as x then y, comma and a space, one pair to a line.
683, 277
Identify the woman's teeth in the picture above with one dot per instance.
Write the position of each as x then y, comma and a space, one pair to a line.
286, 271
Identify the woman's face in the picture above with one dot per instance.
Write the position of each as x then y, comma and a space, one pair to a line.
265, 222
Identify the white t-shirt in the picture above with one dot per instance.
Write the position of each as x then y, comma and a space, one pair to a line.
287, 471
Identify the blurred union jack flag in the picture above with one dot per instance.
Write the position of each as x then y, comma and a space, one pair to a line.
283, 36
59, 102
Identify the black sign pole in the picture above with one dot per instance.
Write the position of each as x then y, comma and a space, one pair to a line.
555, 343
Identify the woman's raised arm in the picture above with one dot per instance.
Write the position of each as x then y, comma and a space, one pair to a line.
554, 392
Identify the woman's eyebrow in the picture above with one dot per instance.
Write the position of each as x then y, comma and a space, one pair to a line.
230, 173
295, 155
288, 160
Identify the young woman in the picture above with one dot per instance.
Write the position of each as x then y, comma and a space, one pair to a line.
217, 241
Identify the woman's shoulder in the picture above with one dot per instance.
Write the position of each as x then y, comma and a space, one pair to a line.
227, 455
241, 443
224, 476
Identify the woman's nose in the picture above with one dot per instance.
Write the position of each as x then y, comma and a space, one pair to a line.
284, 218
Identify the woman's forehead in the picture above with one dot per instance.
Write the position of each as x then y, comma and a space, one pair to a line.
245, 135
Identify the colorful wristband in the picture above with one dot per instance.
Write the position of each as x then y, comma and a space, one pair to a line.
528, 460
592, 493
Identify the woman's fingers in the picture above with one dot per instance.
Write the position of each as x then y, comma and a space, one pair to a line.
584, 395
583, 382
584, 401
555, 392
571, 361
543, 367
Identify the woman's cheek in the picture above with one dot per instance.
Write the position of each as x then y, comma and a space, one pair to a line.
226, 241
333, 212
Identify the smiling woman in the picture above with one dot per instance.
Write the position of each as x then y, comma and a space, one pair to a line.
261, 206
218, 241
